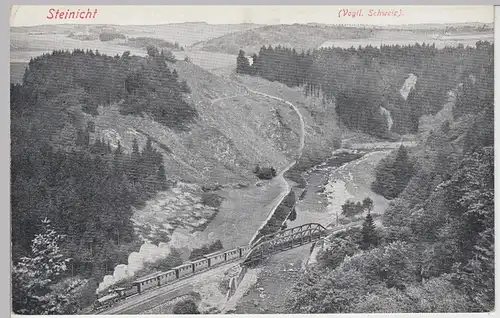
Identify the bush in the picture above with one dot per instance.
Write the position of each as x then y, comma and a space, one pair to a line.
337, 251
265, 173
186, 307
351, 208
211, 199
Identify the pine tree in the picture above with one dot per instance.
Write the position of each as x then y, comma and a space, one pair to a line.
393, 175
161, 177
135, 147
402, 170
37, 280
369, 234
368, 204
242, 63
148, 149
119, 150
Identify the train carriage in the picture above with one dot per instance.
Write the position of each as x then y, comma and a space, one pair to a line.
232, 254
243, 251
167, 277
200, 264
216, 258
184, 270
147, 282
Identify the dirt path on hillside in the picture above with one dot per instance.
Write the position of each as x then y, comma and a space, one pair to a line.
284, 183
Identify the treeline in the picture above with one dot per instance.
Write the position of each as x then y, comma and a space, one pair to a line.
144, 42
435, 250
281, 64
363, 80
88, 78
109, 36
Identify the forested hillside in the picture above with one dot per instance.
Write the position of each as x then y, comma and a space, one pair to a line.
85, 186
435, 250
363, 81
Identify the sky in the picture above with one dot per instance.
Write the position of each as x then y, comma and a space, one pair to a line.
26, 15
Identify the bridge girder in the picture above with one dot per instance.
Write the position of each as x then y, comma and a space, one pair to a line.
284, 240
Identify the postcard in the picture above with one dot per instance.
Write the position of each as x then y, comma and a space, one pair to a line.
252, 159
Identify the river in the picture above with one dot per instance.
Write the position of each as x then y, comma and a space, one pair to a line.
327, 190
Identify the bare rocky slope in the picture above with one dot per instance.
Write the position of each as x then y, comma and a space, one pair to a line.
234, 131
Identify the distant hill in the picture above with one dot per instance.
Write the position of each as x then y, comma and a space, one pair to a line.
184, 33
298, 36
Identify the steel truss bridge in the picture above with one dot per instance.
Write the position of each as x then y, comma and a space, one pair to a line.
271, 244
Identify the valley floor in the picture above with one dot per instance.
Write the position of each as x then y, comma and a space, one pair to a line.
243, 211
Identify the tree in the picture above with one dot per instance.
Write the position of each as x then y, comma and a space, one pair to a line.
119, 150
369, 233
351, 208
38, 285
403, 169
242, 63
162, 177
336, 251
170, 57
335, 292
256, 170
393, 174
135, 147
152, 51
368, 204
186, 307
273, 172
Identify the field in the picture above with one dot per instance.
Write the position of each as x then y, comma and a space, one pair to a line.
409, 38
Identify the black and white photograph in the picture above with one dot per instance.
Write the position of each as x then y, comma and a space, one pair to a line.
251, 159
